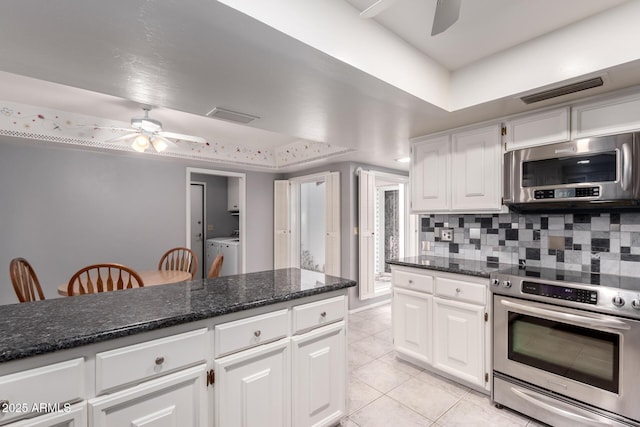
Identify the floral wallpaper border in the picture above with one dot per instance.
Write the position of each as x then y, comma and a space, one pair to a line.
42, 124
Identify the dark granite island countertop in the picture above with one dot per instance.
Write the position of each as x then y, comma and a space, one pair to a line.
451, 265
29, 329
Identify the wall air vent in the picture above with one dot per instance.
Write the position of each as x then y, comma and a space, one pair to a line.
563, 90
231, 116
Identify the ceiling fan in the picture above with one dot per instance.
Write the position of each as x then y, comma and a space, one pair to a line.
147, 132
447, 13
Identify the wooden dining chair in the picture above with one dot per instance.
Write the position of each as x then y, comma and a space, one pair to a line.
181, 259
103, 278
216, 266
25, 281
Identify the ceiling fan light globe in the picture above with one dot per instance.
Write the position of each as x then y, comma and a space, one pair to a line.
140, 143
159, 145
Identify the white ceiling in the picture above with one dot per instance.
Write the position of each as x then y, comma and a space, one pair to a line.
484, 27
184, 57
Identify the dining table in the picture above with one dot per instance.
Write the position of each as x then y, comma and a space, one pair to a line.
149, 278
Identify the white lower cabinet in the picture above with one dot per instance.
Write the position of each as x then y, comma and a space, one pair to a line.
253, 387
412, 313
458, 335
72, 416
178, 399
319, 374
443, 326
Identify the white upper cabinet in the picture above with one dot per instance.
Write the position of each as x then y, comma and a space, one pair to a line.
233, 194
476, 170
460, 172
545, 127
430, 190
606, 116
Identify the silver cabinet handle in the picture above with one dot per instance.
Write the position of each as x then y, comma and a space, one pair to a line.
159, 360
410, 281
457, 290
323, 314
257, 333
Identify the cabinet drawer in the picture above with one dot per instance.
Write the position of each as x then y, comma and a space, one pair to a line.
51, 384
317, 313
462, 291
139, 362
240, 334
415, 281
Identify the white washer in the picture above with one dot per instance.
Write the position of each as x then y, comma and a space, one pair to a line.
229, 247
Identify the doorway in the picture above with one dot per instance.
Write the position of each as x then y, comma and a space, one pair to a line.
216, 217
198, 214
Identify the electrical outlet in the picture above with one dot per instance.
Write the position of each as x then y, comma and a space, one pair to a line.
446, 234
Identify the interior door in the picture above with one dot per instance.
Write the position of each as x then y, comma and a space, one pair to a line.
197, 226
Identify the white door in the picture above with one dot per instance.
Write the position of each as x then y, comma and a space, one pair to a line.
282, 224
366, 234
412, 331
458, 332
175, 400
430, 175
319, 376
476, 169
253, 387
197, 227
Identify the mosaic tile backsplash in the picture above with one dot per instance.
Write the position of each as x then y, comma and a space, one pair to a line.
607, 243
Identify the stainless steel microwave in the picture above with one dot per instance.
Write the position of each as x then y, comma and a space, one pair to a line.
590, 173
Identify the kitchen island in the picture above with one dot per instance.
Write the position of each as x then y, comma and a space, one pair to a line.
169, 352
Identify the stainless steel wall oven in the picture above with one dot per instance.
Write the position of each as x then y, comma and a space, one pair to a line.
566, 349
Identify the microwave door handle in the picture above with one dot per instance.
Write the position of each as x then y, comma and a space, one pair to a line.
625, 179
549, 406
575, 318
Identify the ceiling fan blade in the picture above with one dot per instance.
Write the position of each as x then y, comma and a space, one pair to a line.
123, 137
182, 137
447, 12
169, 143
376, 8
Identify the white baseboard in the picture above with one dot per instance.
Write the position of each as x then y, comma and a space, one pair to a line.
367, 307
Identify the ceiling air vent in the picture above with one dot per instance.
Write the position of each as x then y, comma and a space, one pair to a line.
563, 90
232, 116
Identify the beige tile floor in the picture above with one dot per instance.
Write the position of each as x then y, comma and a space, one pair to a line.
384, 391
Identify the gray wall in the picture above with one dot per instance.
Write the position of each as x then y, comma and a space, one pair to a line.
349, 221
65, 208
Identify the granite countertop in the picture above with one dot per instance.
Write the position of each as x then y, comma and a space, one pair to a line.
29, 329
451, 265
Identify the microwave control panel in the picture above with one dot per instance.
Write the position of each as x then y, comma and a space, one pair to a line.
567, 193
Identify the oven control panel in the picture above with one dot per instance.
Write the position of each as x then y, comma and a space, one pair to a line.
560, 292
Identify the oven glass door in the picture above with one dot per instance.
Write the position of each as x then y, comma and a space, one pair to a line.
591, 168
586, 355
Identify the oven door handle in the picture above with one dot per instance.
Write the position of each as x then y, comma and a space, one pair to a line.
583, 419
593, 322
625, 179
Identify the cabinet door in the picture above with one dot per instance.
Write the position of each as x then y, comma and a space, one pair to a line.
319, 376
75, 416
546, 127
476, 170
412, 331
178, 399
253, 387
430, 175
233, 194
607, 116
458, 347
